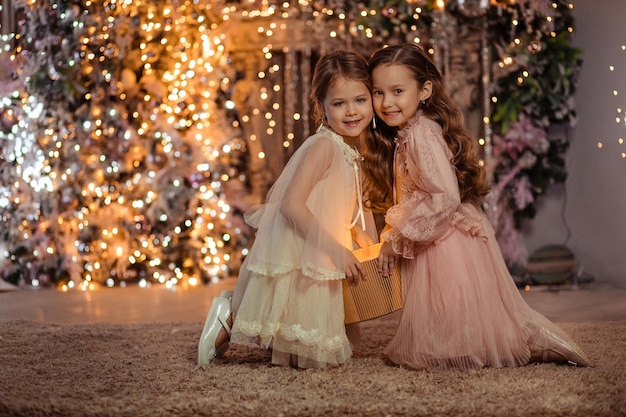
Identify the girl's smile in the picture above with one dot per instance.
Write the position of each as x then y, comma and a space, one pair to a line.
348, 108
396, 94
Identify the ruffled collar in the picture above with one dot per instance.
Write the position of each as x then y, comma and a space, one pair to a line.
351, 153
403, 133
406, 131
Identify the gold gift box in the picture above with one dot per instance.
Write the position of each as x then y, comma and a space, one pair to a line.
374, 296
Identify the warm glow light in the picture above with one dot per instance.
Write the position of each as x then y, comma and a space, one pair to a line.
143, 164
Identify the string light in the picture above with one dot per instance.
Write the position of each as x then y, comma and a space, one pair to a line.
154, 135
106, 253
620, 112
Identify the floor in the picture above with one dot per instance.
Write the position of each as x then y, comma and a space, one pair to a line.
587, 303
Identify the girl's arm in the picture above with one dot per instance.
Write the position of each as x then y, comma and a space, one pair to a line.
425, 214
314, 169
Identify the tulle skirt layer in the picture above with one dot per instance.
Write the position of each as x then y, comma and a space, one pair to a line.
462, 308
300, 319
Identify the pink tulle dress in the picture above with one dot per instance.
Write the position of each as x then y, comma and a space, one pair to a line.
462, 308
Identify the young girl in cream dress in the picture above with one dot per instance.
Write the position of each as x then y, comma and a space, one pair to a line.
289, 295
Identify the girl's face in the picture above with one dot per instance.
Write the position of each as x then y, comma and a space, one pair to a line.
396, 94
348, 108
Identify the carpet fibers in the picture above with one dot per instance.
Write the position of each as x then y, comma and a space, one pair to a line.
149, 370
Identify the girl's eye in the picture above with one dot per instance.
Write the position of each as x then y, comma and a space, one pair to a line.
397, 91
376, 93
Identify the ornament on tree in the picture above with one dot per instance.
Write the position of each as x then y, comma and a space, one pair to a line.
129, 81
390, 12
470, 8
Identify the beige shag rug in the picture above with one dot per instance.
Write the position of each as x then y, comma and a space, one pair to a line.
150, 370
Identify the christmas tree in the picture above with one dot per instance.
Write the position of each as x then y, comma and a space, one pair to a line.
119, 145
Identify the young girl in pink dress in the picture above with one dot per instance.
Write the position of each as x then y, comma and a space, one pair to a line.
462, 308
289, 294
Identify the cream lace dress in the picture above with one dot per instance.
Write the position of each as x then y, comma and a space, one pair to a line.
289, 292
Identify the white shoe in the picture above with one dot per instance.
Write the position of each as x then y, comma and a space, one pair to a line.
546, 346
226, 294
216, 320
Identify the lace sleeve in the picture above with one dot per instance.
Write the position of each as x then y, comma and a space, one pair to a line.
314, 171
428, 192
305, 221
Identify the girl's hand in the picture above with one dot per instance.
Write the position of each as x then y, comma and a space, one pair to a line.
353, 268
360, 236
387, 259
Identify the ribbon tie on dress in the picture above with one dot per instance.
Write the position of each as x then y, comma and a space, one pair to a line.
357, 175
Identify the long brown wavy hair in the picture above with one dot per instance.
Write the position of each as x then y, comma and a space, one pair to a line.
471, 174
377, 166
